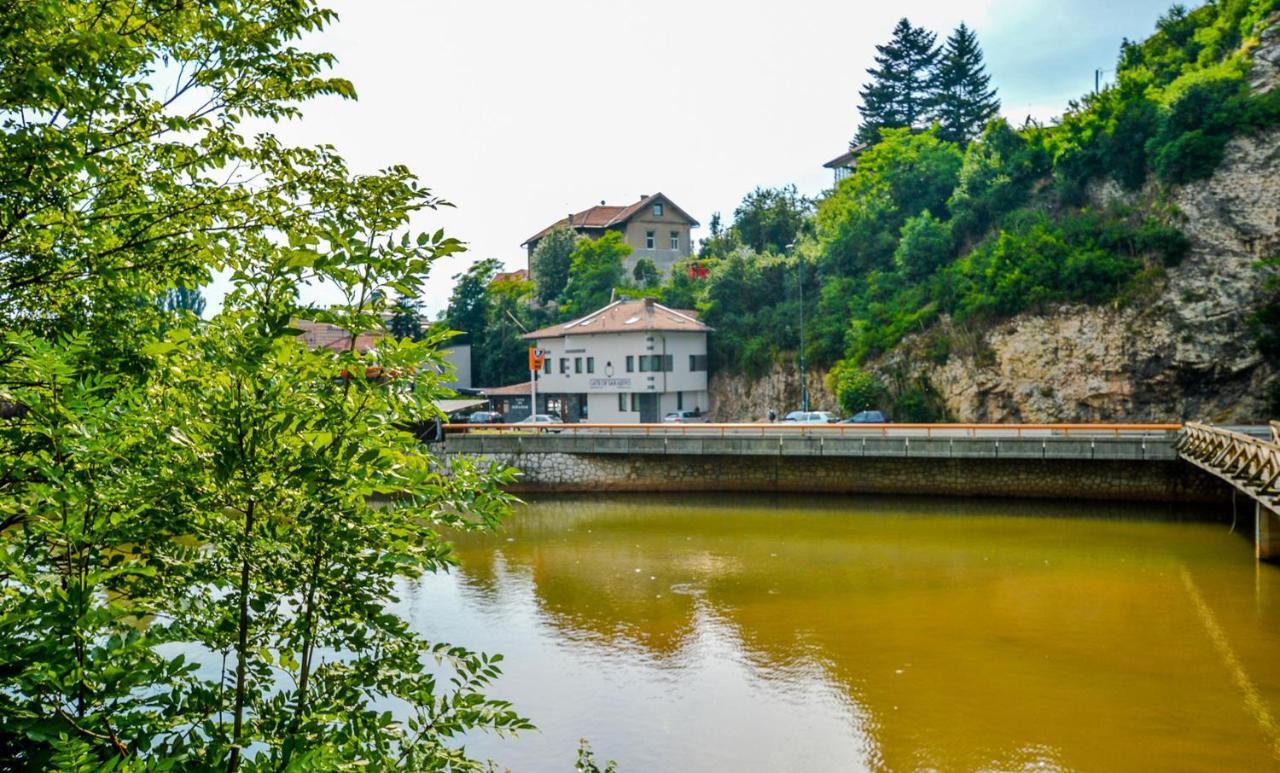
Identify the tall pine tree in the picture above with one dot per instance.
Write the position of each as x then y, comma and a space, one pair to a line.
961, 98
898, 94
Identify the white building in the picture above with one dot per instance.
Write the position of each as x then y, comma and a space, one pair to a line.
632, 361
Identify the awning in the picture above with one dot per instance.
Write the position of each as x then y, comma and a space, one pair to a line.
453, 406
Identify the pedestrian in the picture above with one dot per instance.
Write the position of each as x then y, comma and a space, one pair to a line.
772, 416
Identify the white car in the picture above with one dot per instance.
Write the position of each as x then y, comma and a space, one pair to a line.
540, 418
684, 417
811, 417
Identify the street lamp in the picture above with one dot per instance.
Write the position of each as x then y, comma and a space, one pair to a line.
804, 382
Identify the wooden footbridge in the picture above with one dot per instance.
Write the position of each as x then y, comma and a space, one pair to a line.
1250, 464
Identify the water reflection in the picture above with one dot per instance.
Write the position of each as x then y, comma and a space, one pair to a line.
718, 633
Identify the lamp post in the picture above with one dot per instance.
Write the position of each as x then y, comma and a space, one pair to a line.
804, 382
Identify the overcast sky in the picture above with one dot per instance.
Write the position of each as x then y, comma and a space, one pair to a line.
520, 112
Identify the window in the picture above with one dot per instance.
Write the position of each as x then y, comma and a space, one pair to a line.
644, 363
635, 401
657, 210
675, 240
564, 364
650, 239
577, 364
679, 401
668, 362
697, 362
622, 402
591, 364
631, 364
546, 365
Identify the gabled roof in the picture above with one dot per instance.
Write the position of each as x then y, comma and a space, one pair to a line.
845, 160
511, 390
608, 215
625, 316
318, 335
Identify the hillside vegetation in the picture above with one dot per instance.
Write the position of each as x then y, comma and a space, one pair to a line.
969, 221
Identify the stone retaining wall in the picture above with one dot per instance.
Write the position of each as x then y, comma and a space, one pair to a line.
1162, 480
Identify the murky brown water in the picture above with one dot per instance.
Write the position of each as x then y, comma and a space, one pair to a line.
735, 633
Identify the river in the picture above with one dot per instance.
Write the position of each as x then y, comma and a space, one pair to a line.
738, 633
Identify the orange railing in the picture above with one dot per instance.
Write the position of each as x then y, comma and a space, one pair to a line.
863, 430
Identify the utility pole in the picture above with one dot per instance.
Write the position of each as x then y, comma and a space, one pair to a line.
804, 382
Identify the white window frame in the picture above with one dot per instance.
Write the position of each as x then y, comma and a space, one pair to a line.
675, 240
650, 239
657, 209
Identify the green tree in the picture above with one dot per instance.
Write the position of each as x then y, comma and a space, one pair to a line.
222, 490
855, 389
961, 98
184, 299
406, 318
769, 219
503, 359
595, 272
925, 246
646, 273
470, 308
549, 264
898, 94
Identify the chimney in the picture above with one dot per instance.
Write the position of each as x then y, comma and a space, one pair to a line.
644, 196
571, 220
602, 202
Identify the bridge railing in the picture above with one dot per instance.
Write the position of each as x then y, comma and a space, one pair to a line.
1249, 463
761, 429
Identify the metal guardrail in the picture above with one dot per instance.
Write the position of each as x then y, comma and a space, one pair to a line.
1250, 464
839, 430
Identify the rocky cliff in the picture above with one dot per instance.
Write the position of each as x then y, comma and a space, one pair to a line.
1178, 347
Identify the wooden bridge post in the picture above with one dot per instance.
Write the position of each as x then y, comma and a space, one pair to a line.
1266, 542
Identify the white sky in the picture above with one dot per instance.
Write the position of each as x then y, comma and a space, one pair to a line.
520, 112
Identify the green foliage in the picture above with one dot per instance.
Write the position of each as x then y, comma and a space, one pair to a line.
1179, 97
469, 305
1265, 320
222, 491
855, 389
770, 219
587, 761
996, 177
919, 402
925, 246
549, 264
406, 319
646, 273
184, 299
961, 99
897, 97
595, 272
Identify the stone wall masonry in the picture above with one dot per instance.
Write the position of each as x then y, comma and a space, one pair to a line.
1114, 478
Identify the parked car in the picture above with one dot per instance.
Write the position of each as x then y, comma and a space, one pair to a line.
485, 417
684, 417
867, 417
543, 421
811, 417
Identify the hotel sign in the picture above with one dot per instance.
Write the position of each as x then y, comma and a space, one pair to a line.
609, 383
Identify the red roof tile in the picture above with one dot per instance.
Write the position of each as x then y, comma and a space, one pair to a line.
606, 215
623, 317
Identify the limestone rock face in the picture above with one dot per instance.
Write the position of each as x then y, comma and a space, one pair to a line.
1185, 351
734, 398
1180, 349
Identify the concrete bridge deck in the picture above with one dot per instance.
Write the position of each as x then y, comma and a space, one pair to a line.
1137, 446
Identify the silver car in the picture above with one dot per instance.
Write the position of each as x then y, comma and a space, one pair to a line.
684, 417
811, 417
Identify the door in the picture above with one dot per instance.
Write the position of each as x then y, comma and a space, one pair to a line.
649, 408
